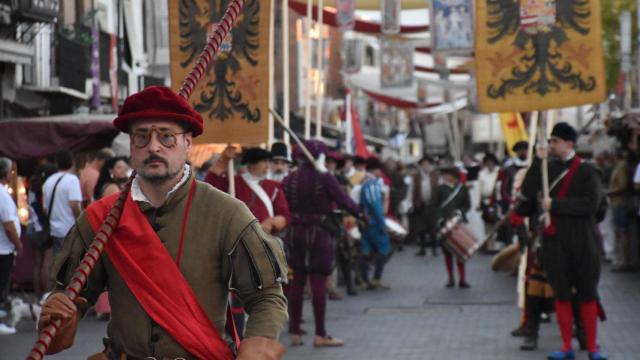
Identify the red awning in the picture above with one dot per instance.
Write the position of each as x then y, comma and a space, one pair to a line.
30, 138
397, 102
329, 18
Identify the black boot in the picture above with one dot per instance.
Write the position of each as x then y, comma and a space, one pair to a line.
529, 343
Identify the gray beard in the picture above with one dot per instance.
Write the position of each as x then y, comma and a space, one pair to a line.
278, 176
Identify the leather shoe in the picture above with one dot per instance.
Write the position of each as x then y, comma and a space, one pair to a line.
597, 356
529, 343
520, 331
296, 340
561, 355
327, 341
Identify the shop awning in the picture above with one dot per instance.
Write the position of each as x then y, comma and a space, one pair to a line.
27, 138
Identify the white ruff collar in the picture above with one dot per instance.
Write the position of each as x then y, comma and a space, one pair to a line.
138, 195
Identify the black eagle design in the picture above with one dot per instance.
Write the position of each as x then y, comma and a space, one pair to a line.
545, 58
221, 99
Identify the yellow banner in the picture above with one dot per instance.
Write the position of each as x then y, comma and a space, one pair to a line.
513, 129
538, 54
233, 95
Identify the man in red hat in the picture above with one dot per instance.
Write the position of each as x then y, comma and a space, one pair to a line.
179, 248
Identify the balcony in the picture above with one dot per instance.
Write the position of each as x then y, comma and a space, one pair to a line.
15, 52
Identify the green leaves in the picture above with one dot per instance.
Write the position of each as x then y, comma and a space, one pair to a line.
611, 10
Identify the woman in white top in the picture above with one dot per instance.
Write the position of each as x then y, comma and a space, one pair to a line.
10, 244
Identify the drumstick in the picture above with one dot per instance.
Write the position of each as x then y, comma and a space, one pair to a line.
96, 248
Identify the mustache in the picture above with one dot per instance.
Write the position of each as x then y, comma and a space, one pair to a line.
152, 158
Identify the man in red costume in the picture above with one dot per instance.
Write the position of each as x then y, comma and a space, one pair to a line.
181, 246
264, 197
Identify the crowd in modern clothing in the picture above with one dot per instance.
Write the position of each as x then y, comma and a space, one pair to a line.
57, 193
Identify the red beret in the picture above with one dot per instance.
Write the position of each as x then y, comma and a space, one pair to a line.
160, 103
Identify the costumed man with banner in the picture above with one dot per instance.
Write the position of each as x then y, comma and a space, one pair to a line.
173, 258
569, 245
264, 198
452, 198
311, 194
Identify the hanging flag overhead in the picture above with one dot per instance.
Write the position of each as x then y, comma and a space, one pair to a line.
233, 94
352, 55
538, 54
345, 14
390, 11
452, 25
354, 140
513, 129
396, 63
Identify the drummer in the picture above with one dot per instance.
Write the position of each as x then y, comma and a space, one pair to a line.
374, 237
452, 198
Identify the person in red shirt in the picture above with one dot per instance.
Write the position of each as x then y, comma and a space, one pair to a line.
264, 197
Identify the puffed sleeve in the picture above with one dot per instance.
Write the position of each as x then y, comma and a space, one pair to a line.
256, 266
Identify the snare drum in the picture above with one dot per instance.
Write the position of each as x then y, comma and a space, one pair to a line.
459, 239
354, 233
395, 229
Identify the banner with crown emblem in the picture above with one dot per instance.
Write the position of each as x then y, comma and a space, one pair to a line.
233, 95
538, 54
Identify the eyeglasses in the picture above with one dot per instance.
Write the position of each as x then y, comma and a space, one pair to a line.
166, 137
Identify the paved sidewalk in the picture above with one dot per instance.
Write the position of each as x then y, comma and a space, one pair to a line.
420, 319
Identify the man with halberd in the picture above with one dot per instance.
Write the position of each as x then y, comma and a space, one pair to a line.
311, 193
180, 247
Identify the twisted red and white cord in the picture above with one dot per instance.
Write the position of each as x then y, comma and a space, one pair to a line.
211, 48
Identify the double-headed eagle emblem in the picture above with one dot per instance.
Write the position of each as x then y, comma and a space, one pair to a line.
542, 58
228, 92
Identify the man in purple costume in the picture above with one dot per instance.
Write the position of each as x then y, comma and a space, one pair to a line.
311, 195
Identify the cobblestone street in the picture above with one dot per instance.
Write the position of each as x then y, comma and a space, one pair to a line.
420, 319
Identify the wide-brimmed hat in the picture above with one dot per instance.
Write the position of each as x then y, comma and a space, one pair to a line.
158, 103
450, 170
520, 146
254, 155
564, 131
279, 151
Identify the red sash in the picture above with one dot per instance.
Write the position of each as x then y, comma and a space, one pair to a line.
155, 280
562, 192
